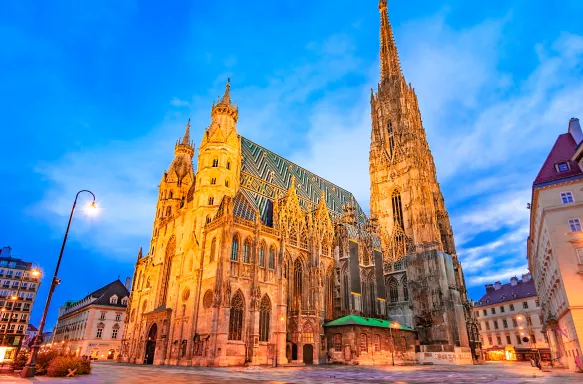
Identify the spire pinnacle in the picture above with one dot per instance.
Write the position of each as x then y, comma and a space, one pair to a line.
390, 65
184, 145
224, 105
227, 96
186, 138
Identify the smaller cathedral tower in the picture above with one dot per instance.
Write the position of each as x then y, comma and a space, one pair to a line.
219, 158
177, 180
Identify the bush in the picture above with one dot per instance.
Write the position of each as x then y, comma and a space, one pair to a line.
43, 360
60, 366
20, 361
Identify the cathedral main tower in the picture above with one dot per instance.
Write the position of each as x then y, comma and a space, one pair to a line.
408, 207
405, 199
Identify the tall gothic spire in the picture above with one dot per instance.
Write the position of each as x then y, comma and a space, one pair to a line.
390, 66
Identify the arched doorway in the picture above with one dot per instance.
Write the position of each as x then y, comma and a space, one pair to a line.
294, 355
110, 354
151, 345
308, 354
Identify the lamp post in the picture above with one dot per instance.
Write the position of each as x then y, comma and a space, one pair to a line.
30, 367
396, 326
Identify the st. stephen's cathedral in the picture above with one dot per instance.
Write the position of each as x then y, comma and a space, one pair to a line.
253, 256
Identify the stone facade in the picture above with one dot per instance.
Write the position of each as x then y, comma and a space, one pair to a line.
555, 246
251, 253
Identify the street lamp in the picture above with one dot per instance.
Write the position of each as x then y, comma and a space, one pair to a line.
30, 367
396, 326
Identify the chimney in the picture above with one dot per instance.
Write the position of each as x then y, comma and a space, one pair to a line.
575, 130
6, 252
497, 285
489, 288
514, 281
128, 283
526, 278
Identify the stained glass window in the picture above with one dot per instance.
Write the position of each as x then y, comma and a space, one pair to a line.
264, 318
236, 317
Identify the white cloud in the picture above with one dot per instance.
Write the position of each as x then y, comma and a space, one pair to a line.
176, 102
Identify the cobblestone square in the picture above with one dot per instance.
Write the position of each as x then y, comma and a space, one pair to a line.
491, 373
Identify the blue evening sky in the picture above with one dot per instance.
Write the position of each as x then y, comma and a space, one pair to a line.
94, 94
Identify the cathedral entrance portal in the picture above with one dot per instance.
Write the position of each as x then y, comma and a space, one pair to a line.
151, 345
308, 354
294, 355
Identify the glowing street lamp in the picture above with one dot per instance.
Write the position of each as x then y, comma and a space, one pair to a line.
395, 325
30, 367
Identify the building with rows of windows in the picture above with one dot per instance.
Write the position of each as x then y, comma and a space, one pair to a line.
510, 321
555, 246
93, 326
18, 289
251, 255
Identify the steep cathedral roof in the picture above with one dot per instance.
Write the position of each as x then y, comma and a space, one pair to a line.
266, 176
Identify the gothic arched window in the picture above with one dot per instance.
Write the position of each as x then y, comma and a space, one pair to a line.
235, 256
213, 249
297, 289
264, 318
397, 208
391, 138
169, 211
405, 289
346, 291
307, 333
228, 164
271, 263
373, 303
166, 269
236, 317
211, 200
329, 292
262, 256
393, 291
208, 219
215, 163
247, 251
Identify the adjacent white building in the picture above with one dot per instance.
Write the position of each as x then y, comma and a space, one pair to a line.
94, 325
555, 246
510, 321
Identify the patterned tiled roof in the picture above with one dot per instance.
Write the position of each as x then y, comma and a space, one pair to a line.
562, 151
242, 207
507, 292
267, 176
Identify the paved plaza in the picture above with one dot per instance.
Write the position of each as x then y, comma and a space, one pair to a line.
491, 373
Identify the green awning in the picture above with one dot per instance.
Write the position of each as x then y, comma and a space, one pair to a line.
366, 321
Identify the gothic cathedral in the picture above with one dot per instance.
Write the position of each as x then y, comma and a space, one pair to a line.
254, 259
